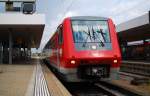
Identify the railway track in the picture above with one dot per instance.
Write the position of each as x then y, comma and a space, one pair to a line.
116, 90
86, 89
97, 89
100, 88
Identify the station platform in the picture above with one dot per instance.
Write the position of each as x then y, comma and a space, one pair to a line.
136, 61
136, 67
134, 70
29, 79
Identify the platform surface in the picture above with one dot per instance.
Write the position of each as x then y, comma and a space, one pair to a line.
14, 79
56, 88
31, 79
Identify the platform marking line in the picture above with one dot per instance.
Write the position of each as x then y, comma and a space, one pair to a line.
41, 88
30, 89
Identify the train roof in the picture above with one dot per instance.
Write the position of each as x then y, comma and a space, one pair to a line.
88, 18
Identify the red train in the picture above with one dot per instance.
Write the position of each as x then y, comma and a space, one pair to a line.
84, 48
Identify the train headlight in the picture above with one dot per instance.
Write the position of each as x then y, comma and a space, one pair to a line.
73, 62
115, 61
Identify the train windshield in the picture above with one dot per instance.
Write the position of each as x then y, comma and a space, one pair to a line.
90, 31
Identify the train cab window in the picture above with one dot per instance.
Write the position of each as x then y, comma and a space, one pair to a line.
88, 33
60, 34
91, 31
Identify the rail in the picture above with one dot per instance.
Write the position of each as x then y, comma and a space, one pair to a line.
116, 90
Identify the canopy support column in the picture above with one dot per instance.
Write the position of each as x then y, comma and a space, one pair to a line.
10, 47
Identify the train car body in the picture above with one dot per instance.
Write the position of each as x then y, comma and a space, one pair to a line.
85, 48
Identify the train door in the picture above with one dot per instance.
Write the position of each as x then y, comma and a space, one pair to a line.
59, 48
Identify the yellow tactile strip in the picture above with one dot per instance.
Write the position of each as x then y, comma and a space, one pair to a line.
14, 79
54, 85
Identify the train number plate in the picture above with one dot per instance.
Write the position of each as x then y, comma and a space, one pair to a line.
97, 71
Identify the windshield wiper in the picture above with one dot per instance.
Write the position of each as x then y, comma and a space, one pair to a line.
88, 35
102, 34
96, 35
93, 37
93, 33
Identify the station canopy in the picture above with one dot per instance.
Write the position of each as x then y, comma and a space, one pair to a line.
135, 29
25, 29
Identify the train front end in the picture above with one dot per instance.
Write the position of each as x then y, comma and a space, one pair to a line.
91, 49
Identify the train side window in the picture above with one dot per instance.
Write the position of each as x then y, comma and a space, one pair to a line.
60, 36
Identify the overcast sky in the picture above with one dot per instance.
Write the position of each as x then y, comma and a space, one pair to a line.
119, 10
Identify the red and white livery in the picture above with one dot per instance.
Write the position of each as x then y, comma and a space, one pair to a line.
85, 48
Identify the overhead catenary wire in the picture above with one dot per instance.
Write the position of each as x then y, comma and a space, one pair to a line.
66, 10
62, 4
